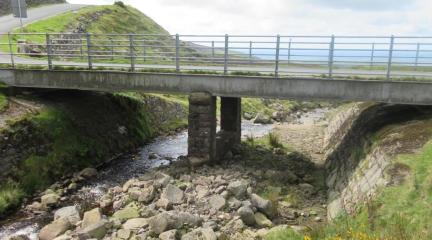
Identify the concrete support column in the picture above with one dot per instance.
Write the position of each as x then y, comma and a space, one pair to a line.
230, 133
202, 129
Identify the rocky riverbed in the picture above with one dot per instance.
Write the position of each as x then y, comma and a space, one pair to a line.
259, 189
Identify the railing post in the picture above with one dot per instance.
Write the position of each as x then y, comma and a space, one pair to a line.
289, 50
226, 54
11, 50
131, 52
417, 55
372, 55
390, 59
250, 51
81, 47
89, 54
112, 48
49, 52
177, 57
213, 50
144, 49
277, 56
331, 56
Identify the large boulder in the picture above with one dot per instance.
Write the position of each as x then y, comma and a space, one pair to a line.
262, 118
127, 213
91, 217
246, 215
97, 230
173, 194
88, 173
54, 229
169, 235
262, 221
200, 234
71, 213
50, 199
238, 189
173, 220
136, 223
217, 202
263, 205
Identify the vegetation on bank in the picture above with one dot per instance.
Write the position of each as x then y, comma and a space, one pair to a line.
73, 131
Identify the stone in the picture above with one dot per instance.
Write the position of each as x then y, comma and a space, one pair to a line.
234, 203
91, 217
173, 220
317, 219
97, 230
17, 237
164, 204
173, 194
124, 233
202, 191
70, 213
35, 206
88, 173
50, 199
200, 234
238, 189
147, 195
262, 221
136, 224
127, 213
247, 215
262, 118
169, 235
161, 180
299, 229
217, 202
263, 205
54, 229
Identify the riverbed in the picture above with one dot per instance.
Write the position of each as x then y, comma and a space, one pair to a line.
162, 151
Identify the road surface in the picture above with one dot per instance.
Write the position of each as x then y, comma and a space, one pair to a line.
8, 22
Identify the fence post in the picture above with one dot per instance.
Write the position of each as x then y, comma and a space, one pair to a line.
144, 49
49, 52
226, 54
89, 54
131, 52
177, 58
417, 56
372, 55
11, 50
81, 47
277, 56
331, 56
289, 50
112, 48
390, 59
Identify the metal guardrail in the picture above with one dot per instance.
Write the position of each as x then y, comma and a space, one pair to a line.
378, 57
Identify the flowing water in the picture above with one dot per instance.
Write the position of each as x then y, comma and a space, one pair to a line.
161, 152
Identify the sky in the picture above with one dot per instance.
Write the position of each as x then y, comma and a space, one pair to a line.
287, 17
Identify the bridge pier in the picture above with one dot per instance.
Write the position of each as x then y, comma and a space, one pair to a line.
202, 129
230, 122
204, 145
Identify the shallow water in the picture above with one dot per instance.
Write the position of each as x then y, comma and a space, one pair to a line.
119, 171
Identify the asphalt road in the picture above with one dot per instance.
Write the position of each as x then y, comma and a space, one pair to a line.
8, 22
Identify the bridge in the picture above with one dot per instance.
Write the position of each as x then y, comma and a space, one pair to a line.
375, 68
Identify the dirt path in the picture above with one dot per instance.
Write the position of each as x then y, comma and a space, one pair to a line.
17, 108
306, 136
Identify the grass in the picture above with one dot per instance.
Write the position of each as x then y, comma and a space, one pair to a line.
3, 102
10, 197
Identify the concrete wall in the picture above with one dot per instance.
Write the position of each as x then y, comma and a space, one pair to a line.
228, 86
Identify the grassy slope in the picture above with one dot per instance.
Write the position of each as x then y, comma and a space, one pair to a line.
70, 136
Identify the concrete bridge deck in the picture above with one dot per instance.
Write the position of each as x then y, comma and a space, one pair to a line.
401, 92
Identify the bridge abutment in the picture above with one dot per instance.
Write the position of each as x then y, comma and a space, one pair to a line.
202, 129
230, 132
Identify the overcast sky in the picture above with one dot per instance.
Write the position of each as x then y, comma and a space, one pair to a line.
353, 17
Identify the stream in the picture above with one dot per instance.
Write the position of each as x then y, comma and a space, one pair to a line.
160, 152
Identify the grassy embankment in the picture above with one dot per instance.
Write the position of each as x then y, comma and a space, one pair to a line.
73, 131
398, 212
